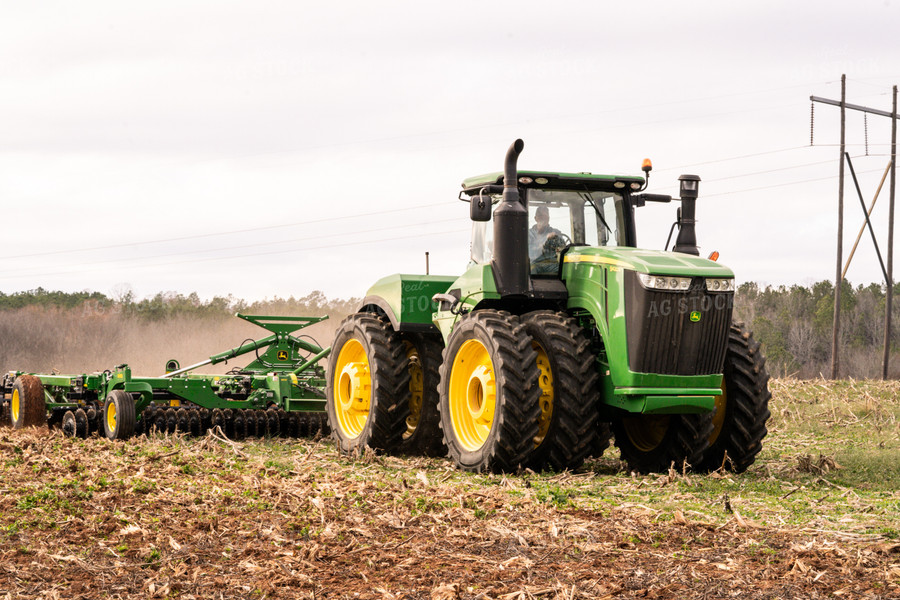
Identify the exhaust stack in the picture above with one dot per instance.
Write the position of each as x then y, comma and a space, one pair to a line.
510, 262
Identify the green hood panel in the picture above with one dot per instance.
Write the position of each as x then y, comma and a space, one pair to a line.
656, 262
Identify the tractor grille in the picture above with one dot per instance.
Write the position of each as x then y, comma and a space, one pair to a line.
663, 338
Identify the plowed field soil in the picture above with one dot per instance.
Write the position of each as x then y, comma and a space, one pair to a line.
208, 518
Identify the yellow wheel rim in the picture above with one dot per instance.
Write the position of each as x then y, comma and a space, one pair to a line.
416, 390
14, 406
352, 388
719, 416
111, 417
473, 395
545, 381
647, 431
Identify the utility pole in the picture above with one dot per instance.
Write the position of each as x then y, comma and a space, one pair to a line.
890, 259
836, 328
889, 273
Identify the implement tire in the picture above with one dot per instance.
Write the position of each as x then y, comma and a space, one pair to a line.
570, 391
423, 424
367, 387
653, 443
69, 426
739, 421
27, 407
489, 397
118, 415
82, 429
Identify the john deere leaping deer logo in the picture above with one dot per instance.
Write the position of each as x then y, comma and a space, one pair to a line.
695, 316
282, 355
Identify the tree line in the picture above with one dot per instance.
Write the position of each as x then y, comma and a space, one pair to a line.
165, 305
794, 323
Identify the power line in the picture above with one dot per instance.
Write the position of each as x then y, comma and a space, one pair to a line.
483, 127
777, 185
218, 233
218, 258
238, 247
730, 158
820, 162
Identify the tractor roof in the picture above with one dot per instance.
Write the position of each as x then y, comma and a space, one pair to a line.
554, 180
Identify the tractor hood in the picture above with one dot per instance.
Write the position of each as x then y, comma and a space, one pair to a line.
655, 262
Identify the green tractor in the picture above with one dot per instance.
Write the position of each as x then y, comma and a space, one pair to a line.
558, 337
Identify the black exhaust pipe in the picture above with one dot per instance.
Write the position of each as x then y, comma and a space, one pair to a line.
510, 262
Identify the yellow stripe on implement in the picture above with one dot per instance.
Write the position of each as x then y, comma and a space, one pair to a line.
600, 260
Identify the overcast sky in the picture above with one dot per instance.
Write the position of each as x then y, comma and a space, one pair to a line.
275, 148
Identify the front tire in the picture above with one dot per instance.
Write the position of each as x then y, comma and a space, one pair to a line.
488, 393
27, 407
653, 443
118, 415
367, 385
739, 422
570, 392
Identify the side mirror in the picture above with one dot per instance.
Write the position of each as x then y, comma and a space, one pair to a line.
480, 208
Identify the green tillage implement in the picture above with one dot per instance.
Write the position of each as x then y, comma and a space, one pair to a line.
281, 392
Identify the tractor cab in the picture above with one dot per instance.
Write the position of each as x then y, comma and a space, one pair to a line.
564, 210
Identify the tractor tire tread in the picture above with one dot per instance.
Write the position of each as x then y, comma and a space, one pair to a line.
747, 410
31, 398
573, 431
511, 440
426, 439
125, 415
383, 430
685, 442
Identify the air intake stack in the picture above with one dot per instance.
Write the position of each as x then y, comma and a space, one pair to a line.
686, 242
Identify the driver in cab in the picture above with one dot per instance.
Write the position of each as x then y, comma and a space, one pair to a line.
540, 232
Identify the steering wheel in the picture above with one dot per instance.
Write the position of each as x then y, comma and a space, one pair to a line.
556, 242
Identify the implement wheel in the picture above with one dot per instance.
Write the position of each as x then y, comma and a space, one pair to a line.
489, 398
739, 421
27, 408
82, 429
368, 385
423, 430
69, 425
652, 443
118, 415
570, 391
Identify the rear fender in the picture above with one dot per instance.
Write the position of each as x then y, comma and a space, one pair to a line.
406, 300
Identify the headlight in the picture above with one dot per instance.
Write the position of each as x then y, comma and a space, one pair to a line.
663, 282
720, 285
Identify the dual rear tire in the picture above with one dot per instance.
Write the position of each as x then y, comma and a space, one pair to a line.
367, 385
509, 393
489, 405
